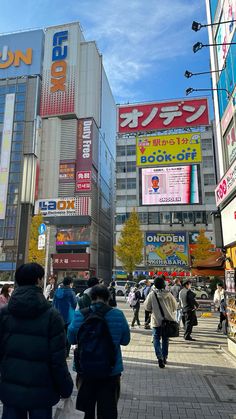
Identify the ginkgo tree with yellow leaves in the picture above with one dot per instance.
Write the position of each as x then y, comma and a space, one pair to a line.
129, 248
34, 254
203, 247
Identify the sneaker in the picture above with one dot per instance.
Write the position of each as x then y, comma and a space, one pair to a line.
161, 363
147, 327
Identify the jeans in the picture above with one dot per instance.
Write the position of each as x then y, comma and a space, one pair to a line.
104, 393
147, 318
161, 348
15, 413
178, 315
136, 315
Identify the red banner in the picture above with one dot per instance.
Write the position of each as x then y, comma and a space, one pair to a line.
71, 261
163, 115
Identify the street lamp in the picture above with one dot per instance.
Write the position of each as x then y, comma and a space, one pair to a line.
189, 74
196, 26
191, 90
200, 45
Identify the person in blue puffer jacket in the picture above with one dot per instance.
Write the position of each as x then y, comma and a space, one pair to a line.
103, 392
65, 302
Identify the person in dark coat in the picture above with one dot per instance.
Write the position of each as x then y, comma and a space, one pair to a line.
189, 306
65, 302
112, 289
33, 368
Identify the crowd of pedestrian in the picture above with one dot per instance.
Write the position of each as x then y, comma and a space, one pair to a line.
37, 330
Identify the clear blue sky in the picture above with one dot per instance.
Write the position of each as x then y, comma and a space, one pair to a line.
146, 45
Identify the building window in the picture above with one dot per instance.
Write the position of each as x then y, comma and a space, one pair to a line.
131, 150
120, 151
154, 218
143, 217
121, 184
208, 162
165, 217
120, 167
121, 218
177, 218
210, 198
131, 183
209, 179
188, 217
207, 144
131, 166
198, 217
21, 87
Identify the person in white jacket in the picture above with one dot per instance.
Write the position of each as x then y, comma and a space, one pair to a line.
219, 295
169, 307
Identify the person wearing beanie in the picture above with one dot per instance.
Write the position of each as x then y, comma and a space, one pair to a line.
169, 307
33, 368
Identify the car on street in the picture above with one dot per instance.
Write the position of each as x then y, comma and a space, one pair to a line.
200, 293
120, 287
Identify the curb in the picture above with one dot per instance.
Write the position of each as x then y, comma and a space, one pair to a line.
226, 351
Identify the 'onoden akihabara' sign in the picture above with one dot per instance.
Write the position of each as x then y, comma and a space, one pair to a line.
166, 249
163, 115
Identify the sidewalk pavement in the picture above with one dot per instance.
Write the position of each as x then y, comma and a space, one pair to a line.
199, 380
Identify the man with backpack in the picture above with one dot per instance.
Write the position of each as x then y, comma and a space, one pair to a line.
99, 331
133, 299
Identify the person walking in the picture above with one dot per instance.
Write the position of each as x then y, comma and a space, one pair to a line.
175, 290
133, 299
189, 306
33, 368
92, 390
145, 292
84, 300
112, 290
5, 294
219, 295
50, 289
65, 302
160, 296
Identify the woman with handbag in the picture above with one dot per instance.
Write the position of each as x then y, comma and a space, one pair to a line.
161, 303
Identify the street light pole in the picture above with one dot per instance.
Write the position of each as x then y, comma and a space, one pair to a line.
46, 258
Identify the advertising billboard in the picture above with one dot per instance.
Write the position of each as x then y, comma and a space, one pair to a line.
225, 31
66, 171
166, 249
6, 151
60, 71
170, 185
163, 115
70, 261
230, 139
84, 159
169, 149
73, 236
21, 54
226, 186
63, 206
228, 220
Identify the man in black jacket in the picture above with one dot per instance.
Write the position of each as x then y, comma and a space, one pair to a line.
33, 368
189, 305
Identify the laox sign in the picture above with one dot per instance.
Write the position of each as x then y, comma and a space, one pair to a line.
59, 65
56, 205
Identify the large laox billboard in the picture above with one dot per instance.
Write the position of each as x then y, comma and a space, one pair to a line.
169, 149
60, 71
166, 249
170, 185
21, 54
163, 115
63, 206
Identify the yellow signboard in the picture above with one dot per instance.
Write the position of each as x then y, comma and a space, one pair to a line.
169, 149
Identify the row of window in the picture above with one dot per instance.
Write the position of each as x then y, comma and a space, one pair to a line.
13, 88
167, 217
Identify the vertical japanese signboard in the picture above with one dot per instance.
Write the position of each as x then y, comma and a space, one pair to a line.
84, 155
60, 71
6, 151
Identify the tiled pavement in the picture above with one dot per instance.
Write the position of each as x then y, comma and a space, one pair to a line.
198, 382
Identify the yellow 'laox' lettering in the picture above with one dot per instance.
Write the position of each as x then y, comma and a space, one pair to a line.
15, 58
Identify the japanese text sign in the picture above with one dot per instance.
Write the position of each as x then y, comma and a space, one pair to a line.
71, 260
226, 186
66, 171
168, 149
163, 115
83, 180
166, 249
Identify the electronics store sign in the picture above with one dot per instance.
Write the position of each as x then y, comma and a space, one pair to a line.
20, 54
228, 218
226, 186
166, 249
56, 207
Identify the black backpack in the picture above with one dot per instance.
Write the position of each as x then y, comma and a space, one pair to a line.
95, 355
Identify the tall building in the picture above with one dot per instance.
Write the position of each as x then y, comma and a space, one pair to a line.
71, 154
165, 169
222, 20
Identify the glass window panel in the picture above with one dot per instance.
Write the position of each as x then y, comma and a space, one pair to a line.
120, 167
18, 136
208, 161
121, 218
1, 117
10, 222
209, 179
17, 146
131, 183
2, 89
13, 188
2, 107
120, 151
11, 89
18, 126
1, 232
20, 97
198, 217
15, 167
19, 116
12, 199
143, 217
121, 184
2, 99
187, 217
20, 106
165, 217
154, 218
21, 87
9, 233
177, 217
131, 150
131, 166
14, 177
11, 211
16, 156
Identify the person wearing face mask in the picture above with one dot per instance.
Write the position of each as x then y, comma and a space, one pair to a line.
33, 368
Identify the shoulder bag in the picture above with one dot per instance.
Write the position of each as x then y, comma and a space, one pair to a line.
169, 328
